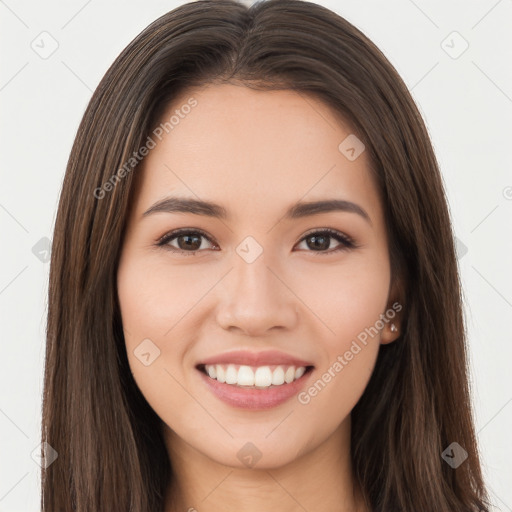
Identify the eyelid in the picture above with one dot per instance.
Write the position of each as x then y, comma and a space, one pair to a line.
163, 240
346, 241
330, 231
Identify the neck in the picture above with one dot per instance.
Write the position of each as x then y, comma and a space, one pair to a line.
318, 480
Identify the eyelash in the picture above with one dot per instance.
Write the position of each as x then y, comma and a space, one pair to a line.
345, 241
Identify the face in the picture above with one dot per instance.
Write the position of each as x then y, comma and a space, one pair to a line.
286, 287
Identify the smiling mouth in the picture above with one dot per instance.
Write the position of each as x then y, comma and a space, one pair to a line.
254, 377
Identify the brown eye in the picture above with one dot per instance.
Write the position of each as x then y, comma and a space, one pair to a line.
189, 242
184, 241
320, 241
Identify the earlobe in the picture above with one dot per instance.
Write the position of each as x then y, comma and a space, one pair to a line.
392, 329
390, 332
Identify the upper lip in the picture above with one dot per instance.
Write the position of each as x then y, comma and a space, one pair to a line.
263, 358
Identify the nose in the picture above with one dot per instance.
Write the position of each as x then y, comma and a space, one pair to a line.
255, 299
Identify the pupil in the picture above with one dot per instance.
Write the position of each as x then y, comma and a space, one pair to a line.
194, 245
323, 244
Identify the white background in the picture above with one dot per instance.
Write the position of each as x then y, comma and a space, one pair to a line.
467, 105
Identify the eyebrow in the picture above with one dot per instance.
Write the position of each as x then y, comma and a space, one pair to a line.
296, 211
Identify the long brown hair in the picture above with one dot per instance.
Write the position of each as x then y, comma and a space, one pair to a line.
111, 454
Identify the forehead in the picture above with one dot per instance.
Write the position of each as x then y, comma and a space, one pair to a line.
253, 149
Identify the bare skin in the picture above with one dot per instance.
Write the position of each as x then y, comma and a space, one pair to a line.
256, 154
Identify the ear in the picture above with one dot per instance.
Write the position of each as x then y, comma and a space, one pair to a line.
393, 316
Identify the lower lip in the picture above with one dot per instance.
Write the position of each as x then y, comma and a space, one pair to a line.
247, 398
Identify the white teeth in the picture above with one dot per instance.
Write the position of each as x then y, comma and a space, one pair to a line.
231, 375
259, 377
289, 375
278, 376
263, 376
221, 374
245, 376
299, 372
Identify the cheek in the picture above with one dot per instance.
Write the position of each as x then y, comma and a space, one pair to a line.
347, 297
149, 310
335, 390
349, 300
154, 296
157, 302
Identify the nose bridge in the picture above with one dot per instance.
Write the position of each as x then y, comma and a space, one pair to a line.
253, 281
255, 299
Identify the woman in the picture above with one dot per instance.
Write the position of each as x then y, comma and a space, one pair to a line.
254, 300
